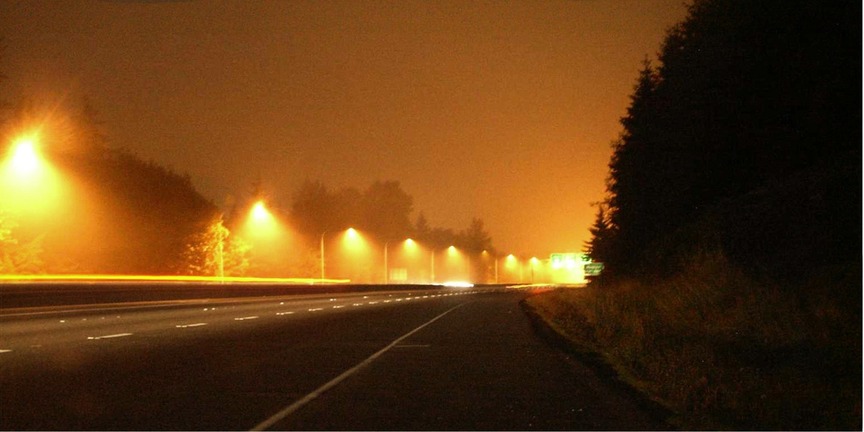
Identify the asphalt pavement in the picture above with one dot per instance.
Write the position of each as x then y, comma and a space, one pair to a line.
441, 359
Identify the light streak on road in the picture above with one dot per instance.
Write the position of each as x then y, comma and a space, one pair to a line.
22, 278
246, 318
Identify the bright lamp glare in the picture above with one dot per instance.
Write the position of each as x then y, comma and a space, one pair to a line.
261, 224
351, 233
28, 183
260, 212
25, 159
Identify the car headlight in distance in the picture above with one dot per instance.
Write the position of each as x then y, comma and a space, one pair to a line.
458, 284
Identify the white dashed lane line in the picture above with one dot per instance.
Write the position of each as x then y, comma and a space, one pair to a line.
190, 325
246, 318
109, 336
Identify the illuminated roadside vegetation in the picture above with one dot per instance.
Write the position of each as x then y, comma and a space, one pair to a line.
721, 349
731, 232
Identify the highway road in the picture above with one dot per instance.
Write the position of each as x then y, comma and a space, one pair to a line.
421, 358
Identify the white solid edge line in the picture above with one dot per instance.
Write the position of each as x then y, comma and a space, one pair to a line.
335, 381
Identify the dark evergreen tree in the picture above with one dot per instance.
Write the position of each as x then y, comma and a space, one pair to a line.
386, 211
599, 248
748, 95
475, 238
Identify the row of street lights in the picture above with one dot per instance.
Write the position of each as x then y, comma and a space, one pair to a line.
25, 167
352, 238
511, 261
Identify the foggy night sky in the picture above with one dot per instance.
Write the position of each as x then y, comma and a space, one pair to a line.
499, 110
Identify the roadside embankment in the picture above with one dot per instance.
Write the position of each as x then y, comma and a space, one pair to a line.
720, 349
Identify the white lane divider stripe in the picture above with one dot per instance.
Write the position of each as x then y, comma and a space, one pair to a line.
285, 313
5, 351
275, 418
246, 318
190, 325
109, 336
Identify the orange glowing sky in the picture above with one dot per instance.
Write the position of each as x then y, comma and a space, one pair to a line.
498, 110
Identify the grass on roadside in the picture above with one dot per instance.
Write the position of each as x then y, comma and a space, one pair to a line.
722, 350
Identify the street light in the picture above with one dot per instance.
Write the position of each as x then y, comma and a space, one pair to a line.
409, 245
534, 262
24, 160
485, 254
510, 264
260, 221
28, 182
350, 233
452, 252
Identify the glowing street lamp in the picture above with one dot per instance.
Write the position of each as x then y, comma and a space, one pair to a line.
511, 263
24, 160
533, 262
409, 244
260, 213
452, 252
28, 182
486, 254
351, 236
260, 220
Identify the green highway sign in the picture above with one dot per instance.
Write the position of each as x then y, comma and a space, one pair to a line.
567, 260
593, 269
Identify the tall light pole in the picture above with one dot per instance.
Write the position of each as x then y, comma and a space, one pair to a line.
322, 254
432, 265
496, 270
533, 261
386, 267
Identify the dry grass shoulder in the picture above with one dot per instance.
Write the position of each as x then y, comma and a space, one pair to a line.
721, 350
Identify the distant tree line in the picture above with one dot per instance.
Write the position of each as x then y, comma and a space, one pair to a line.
383, 210
745, 138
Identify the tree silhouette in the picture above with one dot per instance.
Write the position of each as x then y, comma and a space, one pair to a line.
599, 248
475, 238
748, 96
386, 210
